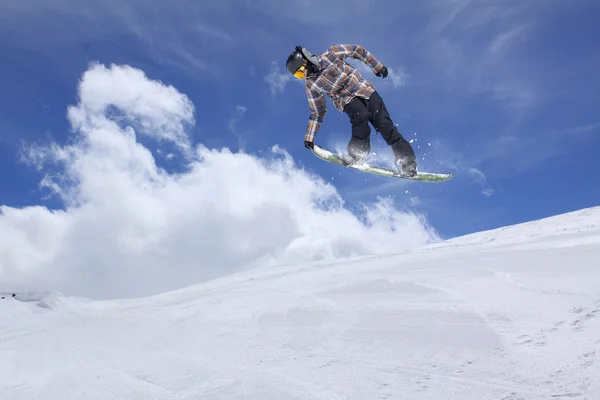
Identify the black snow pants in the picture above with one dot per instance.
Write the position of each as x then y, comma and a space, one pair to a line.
361, 112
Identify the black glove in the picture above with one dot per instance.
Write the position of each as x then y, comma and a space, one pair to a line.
308, 145
383, 72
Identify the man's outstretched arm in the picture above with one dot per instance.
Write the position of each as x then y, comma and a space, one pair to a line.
358, 52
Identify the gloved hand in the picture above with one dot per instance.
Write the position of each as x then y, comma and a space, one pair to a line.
383, 72
308, 145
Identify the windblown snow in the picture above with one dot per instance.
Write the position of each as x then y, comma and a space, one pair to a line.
507, 314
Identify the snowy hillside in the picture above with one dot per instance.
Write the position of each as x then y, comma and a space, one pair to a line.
507, 314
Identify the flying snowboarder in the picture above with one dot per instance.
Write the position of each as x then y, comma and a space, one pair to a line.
352, 94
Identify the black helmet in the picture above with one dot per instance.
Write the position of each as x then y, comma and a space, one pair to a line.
299, 58
295, 60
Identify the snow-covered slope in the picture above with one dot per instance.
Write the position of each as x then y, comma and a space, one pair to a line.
512, 313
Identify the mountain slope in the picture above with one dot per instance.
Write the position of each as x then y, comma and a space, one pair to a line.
512, 313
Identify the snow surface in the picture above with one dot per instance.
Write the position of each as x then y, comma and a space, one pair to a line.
507, 314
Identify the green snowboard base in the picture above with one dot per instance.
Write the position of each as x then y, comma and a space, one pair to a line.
334, 158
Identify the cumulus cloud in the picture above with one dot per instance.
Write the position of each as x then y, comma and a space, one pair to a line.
131, 227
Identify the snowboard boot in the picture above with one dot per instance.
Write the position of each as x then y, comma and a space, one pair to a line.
408, 167
356, 155
405, 158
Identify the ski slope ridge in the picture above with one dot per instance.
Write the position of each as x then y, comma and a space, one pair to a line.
507, 314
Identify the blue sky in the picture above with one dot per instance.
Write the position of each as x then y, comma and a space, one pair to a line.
505, 94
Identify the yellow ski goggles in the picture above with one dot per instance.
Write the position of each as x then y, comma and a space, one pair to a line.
301, 72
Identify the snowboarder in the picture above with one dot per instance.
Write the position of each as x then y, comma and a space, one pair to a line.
352, 94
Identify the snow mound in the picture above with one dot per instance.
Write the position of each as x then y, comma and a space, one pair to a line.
29, 296
582, 226
507, 314
51, 300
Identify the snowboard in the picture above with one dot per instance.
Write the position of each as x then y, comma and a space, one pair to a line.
381, 170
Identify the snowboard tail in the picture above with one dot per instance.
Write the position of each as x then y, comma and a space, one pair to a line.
381, 170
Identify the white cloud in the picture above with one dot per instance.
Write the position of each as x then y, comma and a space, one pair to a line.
214, 32
580, 129
515, 96
276, 79
129, 227
239, 112
318, 12
503, 41
158, 109
508, 154
190, 36
398, 77
476, 49
482, 181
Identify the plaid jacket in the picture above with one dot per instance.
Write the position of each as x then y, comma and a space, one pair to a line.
339, 80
